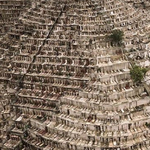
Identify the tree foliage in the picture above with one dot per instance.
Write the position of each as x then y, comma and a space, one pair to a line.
137, 73
117, 36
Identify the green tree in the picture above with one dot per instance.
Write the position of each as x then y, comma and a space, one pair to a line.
117, 36
137, 73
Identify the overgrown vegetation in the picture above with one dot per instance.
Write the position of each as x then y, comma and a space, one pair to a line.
137, 73
117, 36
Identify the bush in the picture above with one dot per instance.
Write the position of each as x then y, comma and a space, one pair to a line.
137, 73
117, 36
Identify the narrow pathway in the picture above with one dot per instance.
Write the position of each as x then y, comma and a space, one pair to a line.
39, 50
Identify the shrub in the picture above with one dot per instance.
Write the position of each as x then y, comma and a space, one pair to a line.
117, 36
137, 73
